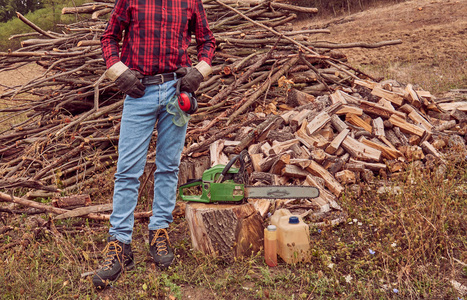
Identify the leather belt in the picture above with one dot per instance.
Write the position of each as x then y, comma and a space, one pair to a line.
158, 78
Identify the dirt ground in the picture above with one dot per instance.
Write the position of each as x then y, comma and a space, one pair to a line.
428, 29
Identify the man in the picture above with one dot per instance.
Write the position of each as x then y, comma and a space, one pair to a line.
156, 35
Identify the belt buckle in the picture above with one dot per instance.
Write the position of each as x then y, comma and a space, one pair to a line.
161, 78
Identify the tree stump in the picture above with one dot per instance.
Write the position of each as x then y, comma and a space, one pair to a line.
225, 230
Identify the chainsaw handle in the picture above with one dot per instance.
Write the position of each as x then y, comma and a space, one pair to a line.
191, 183
227, 168
230, 164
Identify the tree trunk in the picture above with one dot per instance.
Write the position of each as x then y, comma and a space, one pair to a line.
225, 230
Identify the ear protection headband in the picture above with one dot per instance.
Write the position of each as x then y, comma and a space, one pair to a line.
186, 101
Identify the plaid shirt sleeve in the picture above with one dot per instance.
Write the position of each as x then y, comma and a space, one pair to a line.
113, 34
157, 34
204, 37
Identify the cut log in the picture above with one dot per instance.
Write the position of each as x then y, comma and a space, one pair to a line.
335, 144
303, 137
298, 118
406, 127
357, 121
318, 122
216, 154
460, 105
347, 109
380, 110
345, 177
299, 98
70, 201
225, 230
279, 164
376, 167
337, 97
360, 151
366, 83
261, 205
415, 116
445, 126
256, 160
430, 149
288, 115
412, 96
278, 148
378, 127
331, 183
459, 115
386, 151
412, 153
82, 211
391, 96
294, 171
318, 155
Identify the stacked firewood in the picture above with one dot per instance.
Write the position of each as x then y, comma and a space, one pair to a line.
304, 114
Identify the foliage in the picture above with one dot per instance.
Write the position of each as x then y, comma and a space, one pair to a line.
8, 8
46, 18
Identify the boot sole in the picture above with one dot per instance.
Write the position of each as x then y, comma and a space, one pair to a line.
105, 285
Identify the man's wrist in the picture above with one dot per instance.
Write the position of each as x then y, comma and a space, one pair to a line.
116, 70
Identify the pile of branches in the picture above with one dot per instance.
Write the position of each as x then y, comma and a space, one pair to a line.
73, 113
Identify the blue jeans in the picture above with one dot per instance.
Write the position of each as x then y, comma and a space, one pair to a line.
138, 119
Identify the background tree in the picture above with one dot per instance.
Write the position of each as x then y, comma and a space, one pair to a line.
8, 8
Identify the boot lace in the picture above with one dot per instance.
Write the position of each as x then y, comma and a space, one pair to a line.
112, 250
160, 239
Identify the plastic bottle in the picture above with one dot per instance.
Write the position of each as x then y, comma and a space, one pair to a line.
293, 239
270, 245
278, 214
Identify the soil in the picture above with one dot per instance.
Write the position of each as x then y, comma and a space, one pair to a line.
429, 30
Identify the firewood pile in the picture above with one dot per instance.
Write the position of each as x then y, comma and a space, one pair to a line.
303, 113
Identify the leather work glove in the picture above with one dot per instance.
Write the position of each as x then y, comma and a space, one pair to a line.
181, 72
194, 76
125, 80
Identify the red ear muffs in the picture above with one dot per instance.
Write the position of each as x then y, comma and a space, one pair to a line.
186, 101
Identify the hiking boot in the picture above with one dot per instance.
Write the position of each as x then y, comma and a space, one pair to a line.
159, 247
118, 257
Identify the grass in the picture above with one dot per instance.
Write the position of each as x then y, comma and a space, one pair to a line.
438, 77
408, 245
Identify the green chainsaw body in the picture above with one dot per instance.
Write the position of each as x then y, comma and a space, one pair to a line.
212, 191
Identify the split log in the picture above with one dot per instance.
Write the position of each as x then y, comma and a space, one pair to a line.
406, 127
331, 183
391, 96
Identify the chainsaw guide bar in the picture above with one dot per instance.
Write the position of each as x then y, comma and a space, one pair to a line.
281, 192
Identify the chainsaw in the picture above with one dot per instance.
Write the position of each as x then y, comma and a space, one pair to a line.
224, 183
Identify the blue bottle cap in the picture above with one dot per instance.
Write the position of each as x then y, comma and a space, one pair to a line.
293, 220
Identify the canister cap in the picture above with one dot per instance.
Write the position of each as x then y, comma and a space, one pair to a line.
293, 220
272, 228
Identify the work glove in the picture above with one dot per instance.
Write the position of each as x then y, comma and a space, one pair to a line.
125, 80
194, 76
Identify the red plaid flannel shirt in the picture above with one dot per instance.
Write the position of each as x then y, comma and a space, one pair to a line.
157, 35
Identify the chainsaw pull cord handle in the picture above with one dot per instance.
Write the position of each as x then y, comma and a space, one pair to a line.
230, 164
